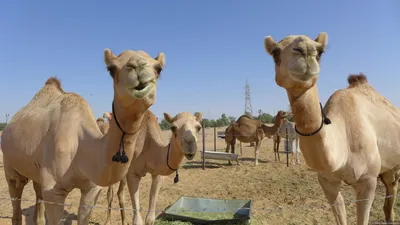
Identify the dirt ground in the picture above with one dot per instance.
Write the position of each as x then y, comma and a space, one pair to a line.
279, 194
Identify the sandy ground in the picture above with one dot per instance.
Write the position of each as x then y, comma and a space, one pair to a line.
280, 194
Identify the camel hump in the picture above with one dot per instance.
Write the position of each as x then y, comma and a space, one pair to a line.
100, 120
356, 79
55, 82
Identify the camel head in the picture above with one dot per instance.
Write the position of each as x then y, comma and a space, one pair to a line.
185, 127
108, 116
280, 116
100, 121
135, 75
297, 59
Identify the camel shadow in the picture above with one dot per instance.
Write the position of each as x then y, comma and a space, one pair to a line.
30, 211
199, 164
248, 159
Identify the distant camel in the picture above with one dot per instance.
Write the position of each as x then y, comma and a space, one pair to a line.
290, 141
246, 130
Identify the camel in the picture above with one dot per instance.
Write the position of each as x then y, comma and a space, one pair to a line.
354, 138
291, 140
246, 130
55, 142
157, 158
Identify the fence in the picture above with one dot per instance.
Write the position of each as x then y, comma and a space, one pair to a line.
269, 210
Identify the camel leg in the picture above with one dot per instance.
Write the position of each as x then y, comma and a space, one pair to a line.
228, 144
233, 143
133, 181
38, 216
390, 180
227, 147
156, 183
88, 201
275, 149
110, 195
56, 196
365, 192
241, 149
297, 151
278, 142
335, 199
121, 199
16, 184
256, 151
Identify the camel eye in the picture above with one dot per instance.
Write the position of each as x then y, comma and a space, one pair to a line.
130, 66
158, 69
198, 128
174, 129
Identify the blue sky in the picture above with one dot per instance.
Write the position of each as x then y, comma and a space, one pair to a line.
210, 48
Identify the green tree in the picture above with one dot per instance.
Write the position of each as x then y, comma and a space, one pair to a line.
165, 125
232, 119
266, 118
2, 126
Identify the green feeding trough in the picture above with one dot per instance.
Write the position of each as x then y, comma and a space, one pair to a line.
209, 211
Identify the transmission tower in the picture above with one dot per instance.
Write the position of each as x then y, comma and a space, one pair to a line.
248, 109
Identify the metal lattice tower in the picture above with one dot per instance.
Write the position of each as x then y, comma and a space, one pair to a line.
248, 109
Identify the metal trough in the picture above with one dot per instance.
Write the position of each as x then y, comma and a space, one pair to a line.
209, 211
220, 155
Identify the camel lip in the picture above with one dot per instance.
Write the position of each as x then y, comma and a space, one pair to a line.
189, 156
142, 91
142, 86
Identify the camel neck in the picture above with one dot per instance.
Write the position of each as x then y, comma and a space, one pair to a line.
100, 150
316, 149
269, 131
306, 110
174, 156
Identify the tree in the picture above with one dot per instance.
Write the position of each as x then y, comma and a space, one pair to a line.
165, 125
232, 119
266, 118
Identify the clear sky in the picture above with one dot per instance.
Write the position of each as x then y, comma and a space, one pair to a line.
210, 47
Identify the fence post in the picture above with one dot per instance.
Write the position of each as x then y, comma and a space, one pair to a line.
204, 149
215, 139
287, 149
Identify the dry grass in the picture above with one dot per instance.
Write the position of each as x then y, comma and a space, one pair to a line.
280, 194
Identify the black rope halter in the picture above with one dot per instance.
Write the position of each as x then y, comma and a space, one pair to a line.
325, 120
120, 156
176, 179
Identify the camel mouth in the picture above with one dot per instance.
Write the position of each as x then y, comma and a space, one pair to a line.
141, 86
142, 90
189, 156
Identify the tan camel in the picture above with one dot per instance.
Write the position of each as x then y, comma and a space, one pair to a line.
157, 158
55, 141
246, 130
359, 142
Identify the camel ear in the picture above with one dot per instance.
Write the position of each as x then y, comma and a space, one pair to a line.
199, 116
322, 39
109, 61
269, 44
168, 118
161, 59
108, 115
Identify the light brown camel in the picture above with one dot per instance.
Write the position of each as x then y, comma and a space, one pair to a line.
359, 142
55, 141
158, 158
246, 130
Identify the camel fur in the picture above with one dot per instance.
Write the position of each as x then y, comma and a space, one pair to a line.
55, 141
354, 138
